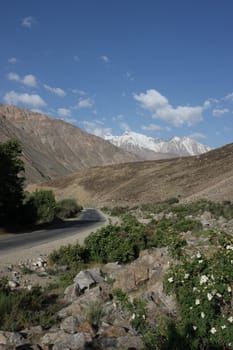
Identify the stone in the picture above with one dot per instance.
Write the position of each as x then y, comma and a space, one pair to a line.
13, 339
86, 327
113, 331
70, 324
88, 278
133, 342
61, 340
13, 284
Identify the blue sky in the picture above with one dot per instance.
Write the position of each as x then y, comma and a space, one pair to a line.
158, 67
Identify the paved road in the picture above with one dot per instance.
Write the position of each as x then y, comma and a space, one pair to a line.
89, 219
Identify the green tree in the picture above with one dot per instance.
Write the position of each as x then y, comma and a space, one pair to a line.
41, 205
11, 181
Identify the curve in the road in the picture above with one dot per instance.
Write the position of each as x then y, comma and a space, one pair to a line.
89, 219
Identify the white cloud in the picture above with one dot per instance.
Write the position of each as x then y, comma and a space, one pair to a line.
12, 60
198, 136
28, 80
152, 127
160, 108
94, 129
117, 117
79, 92
56, 91
124, 126
27, 22
32, 100
104, 58
129, 76
229, 97
64, 112
13, 76
218, 112
85, 103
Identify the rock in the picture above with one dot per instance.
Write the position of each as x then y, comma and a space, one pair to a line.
85, 327
3, 340
13, 339
71, 310
70, 324
13, 284
113, 331
135, 343
140, 271
70, 293
61, 340
87, 278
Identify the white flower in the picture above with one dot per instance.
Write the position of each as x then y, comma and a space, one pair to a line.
197, 302
212, 277
219, 295
194, 327
202, 315
198, 255
209, 296
223, 327
133, 316
200, 261
170, 279
229, 289
203, 279
229, 247
186, 276
213, 330
230, 319
194, 289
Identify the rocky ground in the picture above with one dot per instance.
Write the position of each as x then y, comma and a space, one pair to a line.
93, 315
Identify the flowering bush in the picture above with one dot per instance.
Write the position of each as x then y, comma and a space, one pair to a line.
203, 286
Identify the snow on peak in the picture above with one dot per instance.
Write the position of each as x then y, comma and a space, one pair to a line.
177, 146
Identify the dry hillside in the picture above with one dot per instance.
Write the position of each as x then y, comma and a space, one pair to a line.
52, 147
209, 175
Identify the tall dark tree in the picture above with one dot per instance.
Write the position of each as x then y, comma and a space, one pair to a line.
11, 181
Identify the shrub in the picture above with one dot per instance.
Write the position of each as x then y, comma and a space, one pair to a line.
41, 205
22, 308
95, 313
70, 255
203, 289
67, 208
120, 243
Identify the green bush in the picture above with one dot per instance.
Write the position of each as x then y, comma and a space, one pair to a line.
120, 243
67, 208
203, 289
22, 308
70, 255
40, 206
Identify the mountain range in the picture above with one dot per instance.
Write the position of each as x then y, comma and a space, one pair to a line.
208, 175
150, 148
52, 147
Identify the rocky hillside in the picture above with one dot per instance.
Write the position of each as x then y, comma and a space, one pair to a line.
206, 176
52, 147
170, 287
152, 149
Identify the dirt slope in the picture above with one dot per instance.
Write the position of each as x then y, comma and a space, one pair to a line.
52, 147
209, 175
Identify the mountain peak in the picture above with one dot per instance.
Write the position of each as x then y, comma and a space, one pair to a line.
150, 148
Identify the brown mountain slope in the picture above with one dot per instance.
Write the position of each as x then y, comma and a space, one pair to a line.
52, 147
209, 175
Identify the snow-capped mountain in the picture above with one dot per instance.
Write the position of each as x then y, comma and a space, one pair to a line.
150, 148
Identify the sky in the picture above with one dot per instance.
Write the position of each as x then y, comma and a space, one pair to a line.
162, 68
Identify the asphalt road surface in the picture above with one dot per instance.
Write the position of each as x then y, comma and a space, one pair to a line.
89, 219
